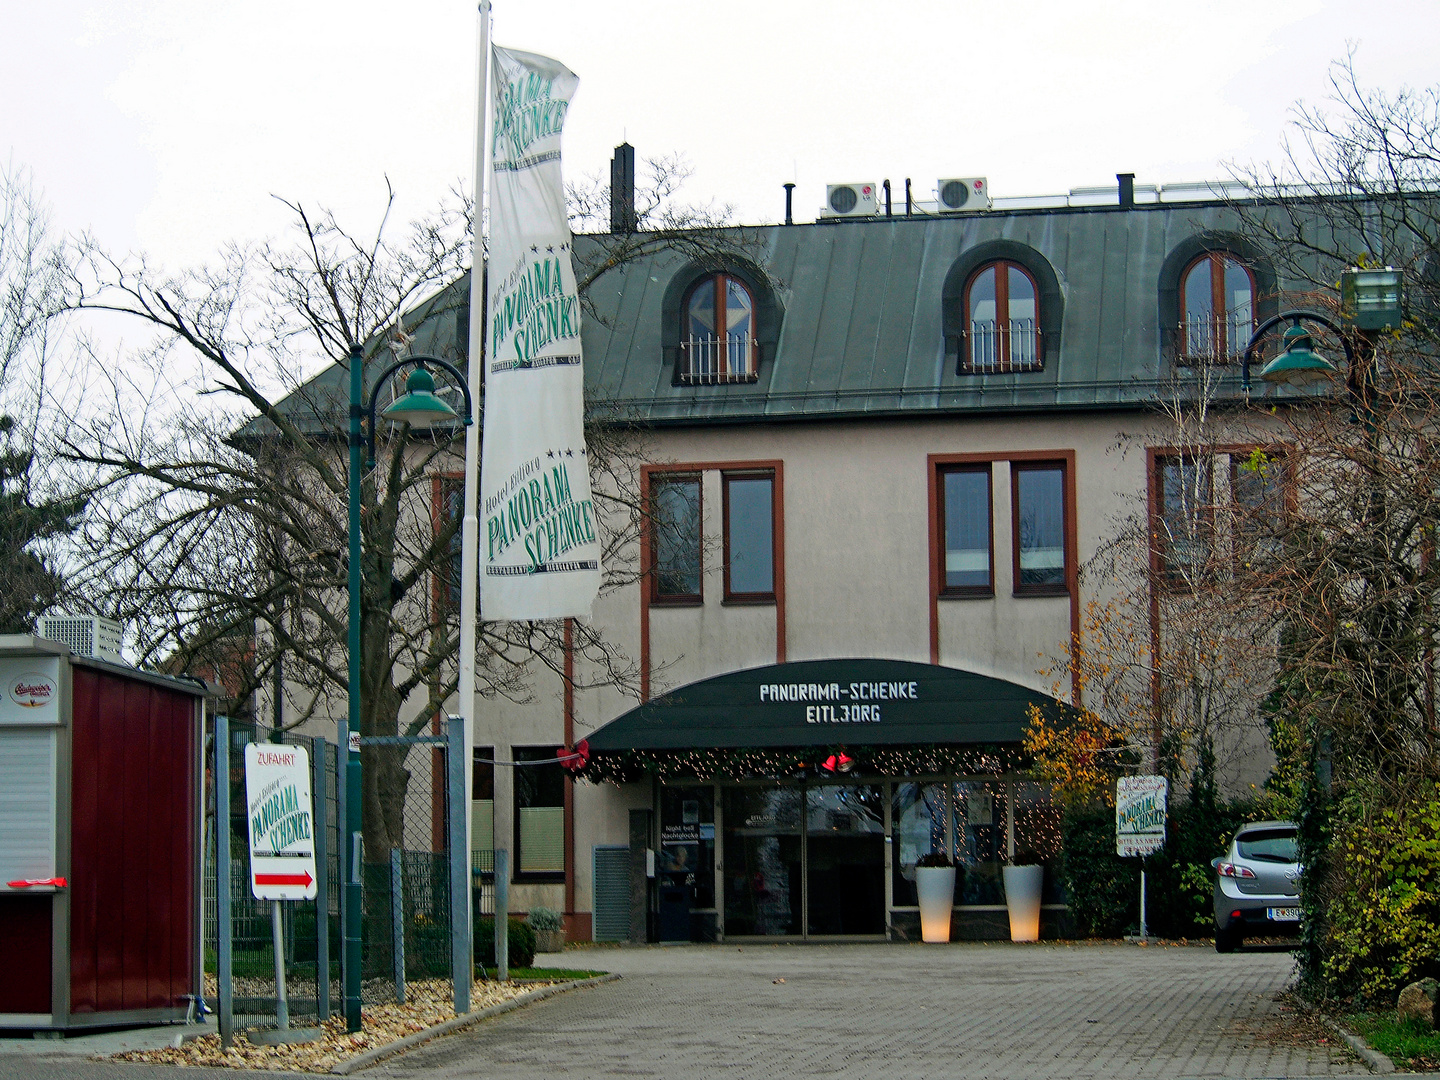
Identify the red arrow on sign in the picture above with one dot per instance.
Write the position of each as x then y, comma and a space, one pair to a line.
302, 880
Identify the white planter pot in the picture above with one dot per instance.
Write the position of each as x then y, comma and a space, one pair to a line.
936, 886
1022, 900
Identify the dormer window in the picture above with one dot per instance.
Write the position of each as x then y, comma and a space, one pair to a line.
718, 338
1217, 296
1002, 325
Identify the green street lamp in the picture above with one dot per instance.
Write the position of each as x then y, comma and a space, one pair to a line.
419, 408
1298, 363
1371, 302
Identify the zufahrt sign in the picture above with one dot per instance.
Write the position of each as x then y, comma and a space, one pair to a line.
281, 820
1139, 815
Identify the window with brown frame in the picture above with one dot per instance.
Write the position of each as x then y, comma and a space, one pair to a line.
966, 536
1037, 497
1002, 322
718, 342
539, 814
1181, 523
749, 511
675, 539
1217, 303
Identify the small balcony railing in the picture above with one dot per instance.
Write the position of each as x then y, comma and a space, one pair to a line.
1001, 347
1214, 339
711, 360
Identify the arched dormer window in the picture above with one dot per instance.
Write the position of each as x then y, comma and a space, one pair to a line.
1002, 323
718, 335
1217, 304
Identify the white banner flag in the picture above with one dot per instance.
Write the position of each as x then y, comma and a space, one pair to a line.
539, 544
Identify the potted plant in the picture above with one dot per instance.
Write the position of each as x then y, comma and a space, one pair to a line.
935, 883
549, 927
1024, 877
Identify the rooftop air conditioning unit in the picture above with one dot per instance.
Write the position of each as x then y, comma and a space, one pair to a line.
965, 193
85, 635
849, 200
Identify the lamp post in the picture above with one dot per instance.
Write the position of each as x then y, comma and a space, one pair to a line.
419, 408
1370, 302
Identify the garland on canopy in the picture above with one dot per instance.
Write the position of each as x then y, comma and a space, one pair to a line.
773, 763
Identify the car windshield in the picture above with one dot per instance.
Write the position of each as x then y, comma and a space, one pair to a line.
1267, 845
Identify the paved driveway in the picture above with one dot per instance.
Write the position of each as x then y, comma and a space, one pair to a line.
897, 1012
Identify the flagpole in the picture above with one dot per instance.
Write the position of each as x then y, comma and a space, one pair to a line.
470, 525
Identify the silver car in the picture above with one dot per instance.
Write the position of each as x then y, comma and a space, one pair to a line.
1257, 885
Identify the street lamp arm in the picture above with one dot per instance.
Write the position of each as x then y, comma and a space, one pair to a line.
467, 418
1295, 315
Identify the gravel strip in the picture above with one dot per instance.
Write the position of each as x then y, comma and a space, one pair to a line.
427, 1004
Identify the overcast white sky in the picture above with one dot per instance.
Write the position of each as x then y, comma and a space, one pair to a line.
166, 125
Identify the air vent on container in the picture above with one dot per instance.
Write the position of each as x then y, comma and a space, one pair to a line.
84, 635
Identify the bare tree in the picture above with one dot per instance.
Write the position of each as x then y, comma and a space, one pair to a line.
1172, 658
218, 484
32, 514
1353, 591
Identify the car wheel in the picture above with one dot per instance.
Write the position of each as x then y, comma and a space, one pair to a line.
1227, 940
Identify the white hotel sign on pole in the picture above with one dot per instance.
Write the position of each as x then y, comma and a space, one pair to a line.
280, 816
1140, 815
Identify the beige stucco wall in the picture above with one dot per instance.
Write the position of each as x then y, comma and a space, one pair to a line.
857, 541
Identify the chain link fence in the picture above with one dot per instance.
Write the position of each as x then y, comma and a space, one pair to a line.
311, 998
406, 926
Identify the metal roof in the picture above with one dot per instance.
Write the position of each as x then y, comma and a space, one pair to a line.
861, 330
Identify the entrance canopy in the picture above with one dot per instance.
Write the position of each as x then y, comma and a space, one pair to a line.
827, 702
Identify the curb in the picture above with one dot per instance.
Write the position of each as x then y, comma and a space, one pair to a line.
370, 1057
1375, 1061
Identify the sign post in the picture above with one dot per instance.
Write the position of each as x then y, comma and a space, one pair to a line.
281, 823
1140, 808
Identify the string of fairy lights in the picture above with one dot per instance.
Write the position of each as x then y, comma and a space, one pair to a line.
708, 764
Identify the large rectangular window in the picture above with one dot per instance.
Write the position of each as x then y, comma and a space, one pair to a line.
749, 536
539, 813
1183, 502
964, 493
1038, 497
675, 539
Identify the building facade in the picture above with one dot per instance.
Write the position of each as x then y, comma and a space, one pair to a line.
879, 452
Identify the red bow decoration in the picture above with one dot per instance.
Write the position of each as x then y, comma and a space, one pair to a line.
576, 759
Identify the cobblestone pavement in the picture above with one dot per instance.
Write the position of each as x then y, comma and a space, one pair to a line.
900, 1012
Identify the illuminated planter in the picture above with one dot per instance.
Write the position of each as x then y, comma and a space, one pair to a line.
1022, 900
936, 886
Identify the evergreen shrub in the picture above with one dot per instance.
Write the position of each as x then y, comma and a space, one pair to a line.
521, 937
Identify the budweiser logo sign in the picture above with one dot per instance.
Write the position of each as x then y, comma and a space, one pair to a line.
32, 690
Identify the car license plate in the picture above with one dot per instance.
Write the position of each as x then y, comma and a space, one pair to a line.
1283, 914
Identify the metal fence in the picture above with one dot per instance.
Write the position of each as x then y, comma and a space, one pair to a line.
311, 998
407, 931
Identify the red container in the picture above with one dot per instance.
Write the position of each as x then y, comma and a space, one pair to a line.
101, 789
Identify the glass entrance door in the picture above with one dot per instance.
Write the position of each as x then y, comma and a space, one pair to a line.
845, 859
763, 879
